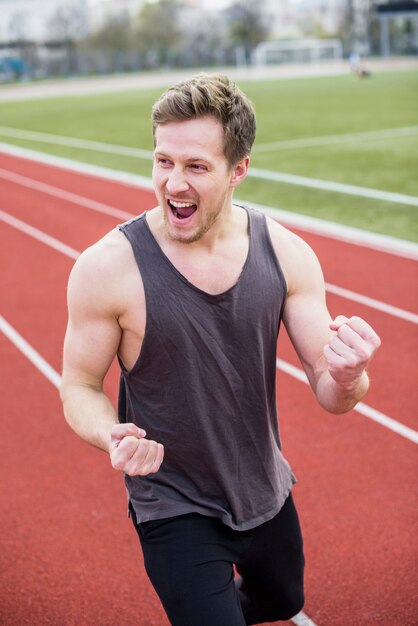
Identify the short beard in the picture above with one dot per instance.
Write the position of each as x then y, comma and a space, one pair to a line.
198, 234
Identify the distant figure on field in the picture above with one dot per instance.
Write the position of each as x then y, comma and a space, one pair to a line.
357, 66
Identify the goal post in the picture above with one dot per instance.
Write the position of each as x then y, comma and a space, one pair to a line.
297, 51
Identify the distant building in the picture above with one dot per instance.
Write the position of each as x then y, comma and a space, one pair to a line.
403, 14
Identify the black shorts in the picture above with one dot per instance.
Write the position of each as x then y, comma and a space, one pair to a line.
190, 561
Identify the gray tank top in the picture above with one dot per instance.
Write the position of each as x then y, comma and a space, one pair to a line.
204, 385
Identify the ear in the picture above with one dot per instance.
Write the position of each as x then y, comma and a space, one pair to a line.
239, 172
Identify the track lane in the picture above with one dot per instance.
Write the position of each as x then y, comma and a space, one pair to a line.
389, 371
81, 531
33, 280
68, 222
393, 390
58, 217
100, 189
69, 555
368, 269
315, 467
328, 499
357, 501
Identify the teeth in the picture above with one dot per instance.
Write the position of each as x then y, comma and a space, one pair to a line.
181, 205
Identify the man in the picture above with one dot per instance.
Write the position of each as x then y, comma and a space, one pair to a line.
190, 297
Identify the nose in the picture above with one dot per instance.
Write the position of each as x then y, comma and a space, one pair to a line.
176, 182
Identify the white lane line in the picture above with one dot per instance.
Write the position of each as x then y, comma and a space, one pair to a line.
30, 353
64, 195
54, 377
301, 619
74, 142
372, 303
332, 230
307, 142
280, 177
328, 185
39, 235
340, 232
339, 291
363, 409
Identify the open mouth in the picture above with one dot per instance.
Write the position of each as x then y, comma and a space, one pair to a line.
182, 210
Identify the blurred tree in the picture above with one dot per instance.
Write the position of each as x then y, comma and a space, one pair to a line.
66, 26
116, 33
67, 23
112, 46
158, 33
248, 25
202, 37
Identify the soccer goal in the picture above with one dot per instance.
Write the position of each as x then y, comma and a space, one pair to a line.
297, 51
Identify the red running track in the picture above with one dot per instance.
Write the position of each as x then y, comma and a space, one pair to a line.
69, 555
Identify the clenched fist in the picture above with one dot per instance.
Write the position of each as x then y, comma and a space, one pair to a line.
350, 349
131, 453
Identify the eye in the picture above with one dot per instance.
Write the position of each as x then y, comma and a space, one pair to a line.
196, 167
163, 162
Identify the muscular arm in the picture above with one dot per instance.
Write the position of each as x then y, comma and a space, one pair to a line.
334, 353
92, 340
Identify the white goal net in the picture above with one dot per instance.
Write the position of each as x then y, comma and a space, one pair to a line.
297, 51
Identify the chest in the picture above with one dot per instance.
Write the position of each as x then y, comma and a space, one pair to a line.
212, 272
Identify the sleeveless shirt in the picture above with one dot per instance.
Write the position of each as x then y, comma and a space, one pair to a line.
204, 385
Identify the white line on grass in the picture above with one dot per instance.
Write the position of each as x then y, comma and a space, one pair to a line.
75, 142
340, 232
363, 409
307, 142
328, 185
278, 177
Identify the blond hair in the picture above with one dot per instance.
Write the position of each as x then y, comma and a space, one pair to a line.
215, 95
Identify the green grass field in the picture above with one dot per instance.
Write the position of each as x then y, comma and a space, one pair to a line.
287, 110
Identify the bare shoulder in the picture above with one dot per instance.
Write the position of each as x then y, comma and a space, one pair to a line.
98, 276
298, 261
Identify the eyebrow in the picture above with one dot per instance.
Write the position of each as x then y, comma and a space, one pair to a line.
192, 159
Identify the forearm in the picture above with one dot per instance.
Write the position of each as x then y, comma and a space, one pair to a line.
89, 413
340, 398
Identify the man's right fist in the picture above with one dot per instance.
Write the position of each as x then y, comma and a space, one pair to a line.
131, 453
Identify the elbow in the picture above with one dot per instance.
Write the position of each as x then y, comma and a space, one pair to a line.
65, 400
64, 393
68, 396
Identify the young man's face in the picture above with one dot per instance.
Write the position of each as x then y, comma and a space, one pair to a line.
192, 179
